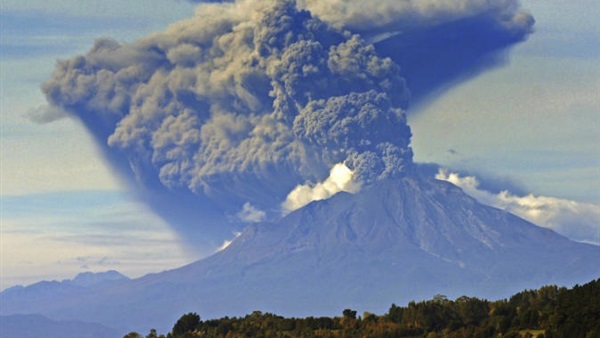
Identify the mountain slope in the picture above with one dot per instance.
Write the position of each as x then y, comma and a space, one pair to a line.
398, 240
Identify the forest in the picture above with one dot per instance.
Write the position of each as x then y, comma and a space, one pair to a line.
548, 312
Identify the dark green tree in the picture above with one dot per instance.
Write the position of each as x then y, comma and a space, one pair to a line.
133, 335
187, 323
152, 334
350, 314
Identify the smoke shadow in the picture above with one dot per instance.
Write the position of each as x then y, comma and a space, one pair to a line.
434, 60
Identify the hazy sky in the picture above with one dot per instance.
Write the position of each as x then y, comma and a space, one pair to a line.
531, 126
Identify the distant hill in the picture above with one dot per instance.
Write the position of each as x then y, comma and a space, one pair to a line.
82, 280
398, 240
97, 279
56, 291
37, 326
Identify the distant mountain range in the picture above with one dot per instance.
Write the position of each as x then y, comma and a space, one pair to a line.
397, 240
37, 326
55, 291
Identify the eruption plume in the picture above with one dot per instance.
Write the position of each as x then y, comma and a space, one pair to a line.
246, 100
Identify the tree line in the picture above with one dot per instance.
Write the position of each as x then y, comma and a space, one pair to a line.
549, 312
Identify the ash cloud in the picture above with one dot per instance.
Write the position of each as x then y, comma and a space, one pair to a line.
390, 15
246, 100
438, 43
239, 105
45, 114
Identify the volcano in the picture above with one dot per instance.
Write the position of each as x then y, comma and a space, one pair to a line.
401, 239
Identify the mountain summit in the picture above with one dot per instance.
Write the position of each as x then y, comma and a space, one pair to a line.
396, 240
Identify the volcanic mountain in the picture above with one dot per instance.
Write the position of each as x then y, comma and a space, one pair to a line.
401, 239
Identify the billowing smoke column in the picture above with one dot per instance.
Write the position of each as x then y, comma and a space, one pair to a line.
243, 102
242, 99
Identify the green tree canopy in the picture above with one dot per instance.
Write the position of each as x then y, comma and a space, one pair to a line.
187, 323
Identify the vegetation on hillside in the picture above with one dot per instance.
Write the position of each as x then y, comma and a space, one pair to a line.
548, 312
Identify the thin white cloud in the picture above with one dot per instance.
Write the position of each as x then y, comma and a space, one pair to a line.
340, 179
148, 9
576, 220
227, 243
250, 214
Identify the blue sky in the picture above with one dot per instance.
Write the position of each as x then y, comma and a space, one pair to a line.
63, 210
533, 123
536, 119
